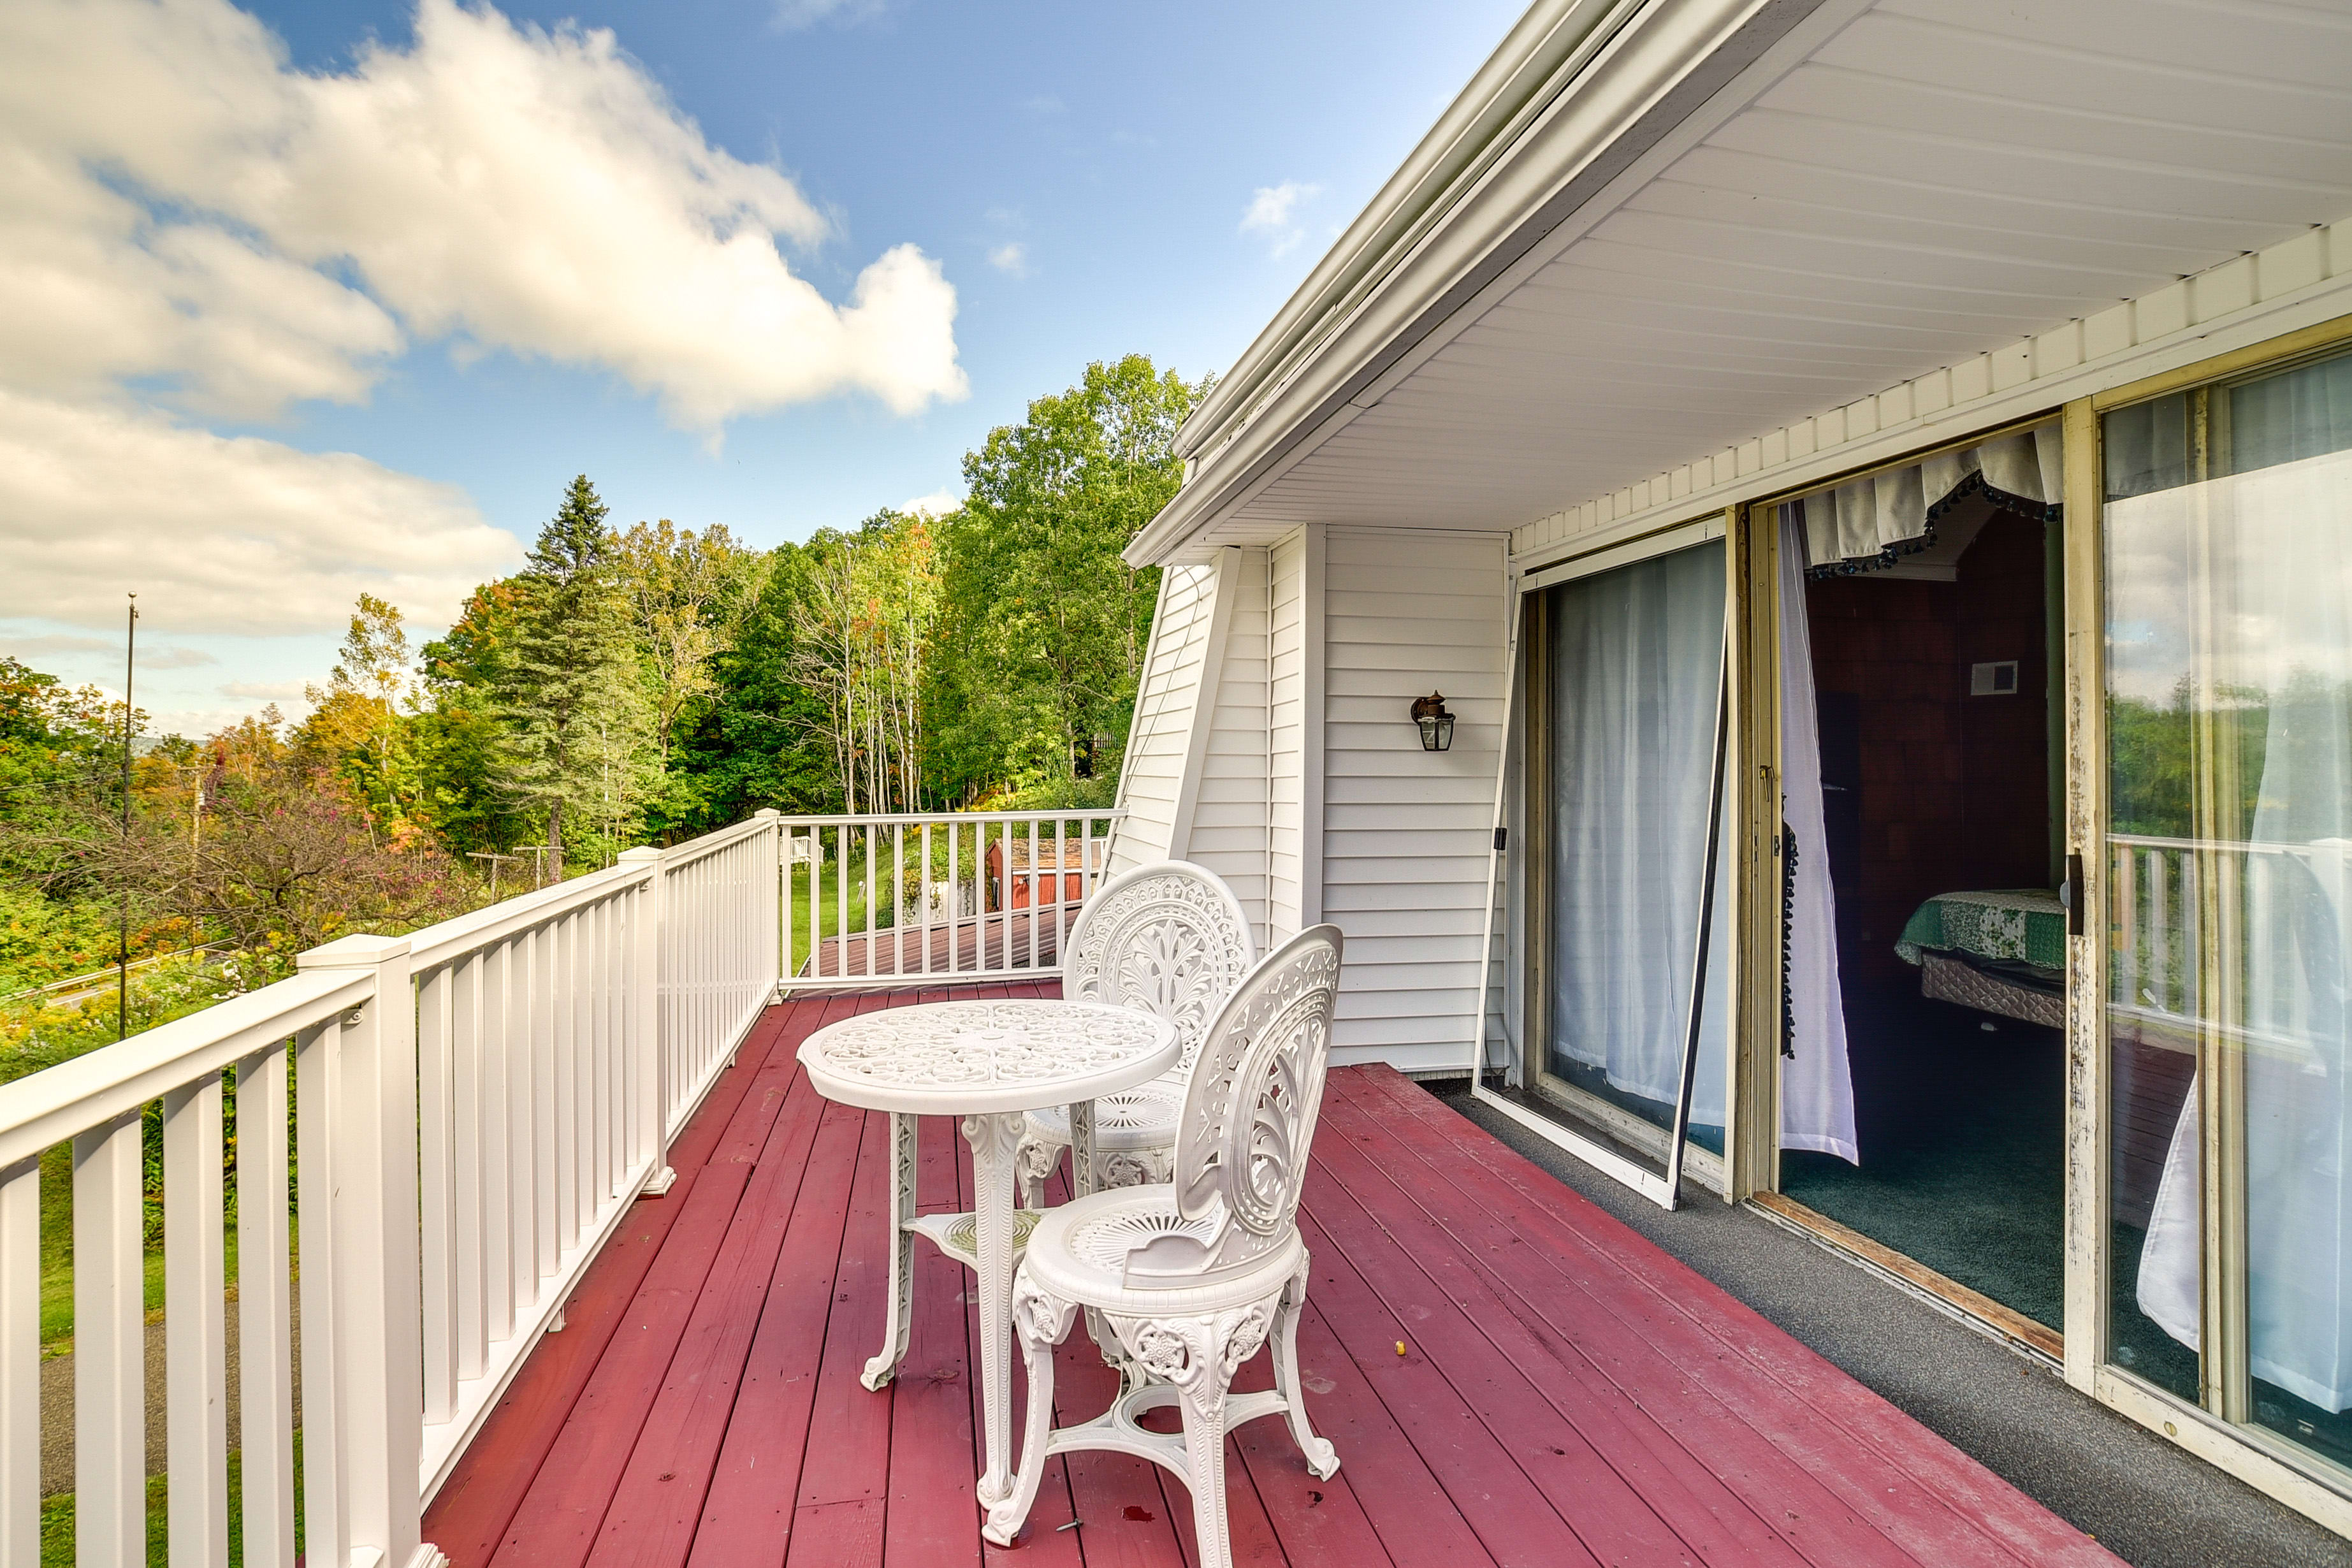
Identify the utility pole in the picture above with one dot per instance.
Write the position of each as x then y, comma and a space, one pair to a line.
122, 948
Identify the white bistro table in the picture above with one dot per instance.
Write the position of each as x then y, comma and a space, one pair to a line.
987, 1063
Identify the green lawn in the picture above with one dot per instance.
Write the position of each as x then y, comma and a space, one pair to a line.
57, 1517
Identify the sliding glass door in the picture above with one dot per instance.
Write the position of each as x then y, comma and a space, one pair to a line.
1625, 992
2228, 578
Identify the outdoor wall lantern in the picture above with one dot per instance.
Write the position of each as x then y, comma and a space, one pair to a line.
1436, 723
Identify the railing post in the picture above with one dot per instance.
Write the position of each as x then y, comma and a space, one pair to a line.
650, 1115
372, 1294
771, 876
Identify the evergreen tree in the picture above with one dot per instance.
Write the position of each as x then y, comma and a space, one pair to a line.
579, 733
761, 742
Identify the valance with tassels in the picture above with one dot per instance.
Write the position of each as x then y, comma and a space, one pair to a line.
1872, 523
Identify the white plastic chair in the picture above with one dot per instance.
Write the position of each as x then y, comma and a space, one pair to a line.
1169, 939
1195, 1274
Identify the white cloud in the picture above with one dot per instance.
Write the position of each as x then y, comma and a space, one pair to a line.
175, 659
219, 534
151, 657
793, 15
1272, 212
263, 690
1011, 256
179, 207
939, 503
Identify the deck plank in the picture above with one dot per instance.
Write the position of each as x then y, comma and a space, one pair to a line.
473, 1507
1596, 1478
1568, 1395
658, 1501
1476, 1262
848, 1459
932, 1512
1514, 1521
747, 1513
1909, 1484
1589, 1329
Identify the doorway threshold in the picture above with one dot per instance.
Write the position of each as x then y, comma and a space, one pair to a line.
1973, 1306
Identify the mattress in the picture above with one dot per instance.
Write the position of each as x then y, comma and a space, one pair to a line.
2022, 925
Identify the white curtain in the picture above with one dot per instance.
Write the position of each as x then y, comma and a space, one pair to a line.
2279, 574
1875, 519
1817, 1085
1636, 663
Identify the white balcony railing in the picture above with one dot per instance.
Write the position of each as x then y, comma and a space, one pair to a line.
434, 1136
2240, 937
922, 901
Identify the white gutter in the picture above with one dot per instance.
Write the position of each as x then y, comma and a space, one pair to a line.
1579, 92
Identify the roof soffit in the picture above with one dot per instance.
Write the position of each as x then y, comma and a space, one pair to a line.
1641, 89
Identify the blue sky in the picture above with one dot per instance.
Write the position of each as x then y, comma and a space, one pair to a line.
1078, 175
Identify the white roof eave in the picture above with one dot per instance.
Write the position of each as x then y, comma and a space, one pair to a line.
1641, 66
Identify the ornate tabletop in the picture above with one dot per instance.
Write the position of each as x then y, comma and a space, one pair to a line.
972, 1059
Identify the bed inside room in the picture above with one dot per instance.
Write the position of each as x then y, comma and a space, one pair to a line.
1926, 928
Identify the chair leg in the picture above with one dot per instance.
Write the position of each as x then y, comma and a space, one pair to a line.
900, 1310
1322, 1459
1197, 1357
1040, 1321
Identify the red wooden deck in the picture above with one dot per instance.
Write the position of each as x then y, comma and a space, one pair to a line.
1565, 1393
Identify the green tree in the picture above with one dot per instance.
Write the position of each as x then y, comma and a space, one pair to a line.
458, 734
761, 742
578, 738
356, 724
1043, 624
863, 638
687, 594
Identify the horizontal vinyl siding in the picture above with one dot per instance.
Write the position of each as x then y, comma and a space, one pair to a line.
1406, 832
1229, 821
1151, 780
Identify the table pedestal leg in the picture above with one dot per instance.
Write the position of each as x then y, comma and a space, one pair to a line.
993, 1140
899, 1312
1082, 1148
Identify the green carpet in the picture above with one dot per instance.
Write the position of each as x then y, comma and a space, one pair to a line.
1962, 1135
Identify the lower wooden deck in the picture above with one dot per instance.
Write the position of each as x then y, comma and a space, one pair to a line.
1510, 1377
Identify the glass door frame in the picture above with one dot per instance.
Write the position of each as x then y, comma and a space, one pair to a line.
2213, 1427
1509, 865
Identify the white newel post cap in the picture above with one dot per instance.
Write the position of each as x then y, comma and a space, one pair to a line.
765, 813
638, 857
353, 952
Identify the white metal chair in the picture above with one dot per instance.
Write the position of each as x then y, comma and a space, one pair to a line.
1168, 939
1194, 1274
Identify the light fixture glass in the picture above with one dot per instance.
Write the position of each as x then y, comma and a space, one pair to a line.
1436, 723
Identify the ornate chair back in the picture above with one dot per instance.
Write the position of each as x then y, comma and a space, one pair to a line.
1168, 939
1249, 1115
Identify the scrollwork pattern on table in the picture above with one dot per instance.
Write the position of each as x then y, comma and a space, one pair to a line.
963, 1044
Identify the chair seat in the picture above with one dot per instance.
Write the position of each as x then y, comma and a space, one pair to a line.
1144, 1117
1078, 1252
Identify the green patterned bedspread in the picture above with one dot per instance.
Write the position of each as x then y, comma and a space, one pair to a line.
2025, 924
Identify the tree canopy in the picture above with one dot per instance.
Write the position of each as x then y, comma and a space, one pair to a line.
636, 684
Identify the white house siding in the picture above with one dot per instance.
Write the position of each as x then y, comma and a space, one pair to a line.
1227, 832
1406, 832
1152, 784
1287, 717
